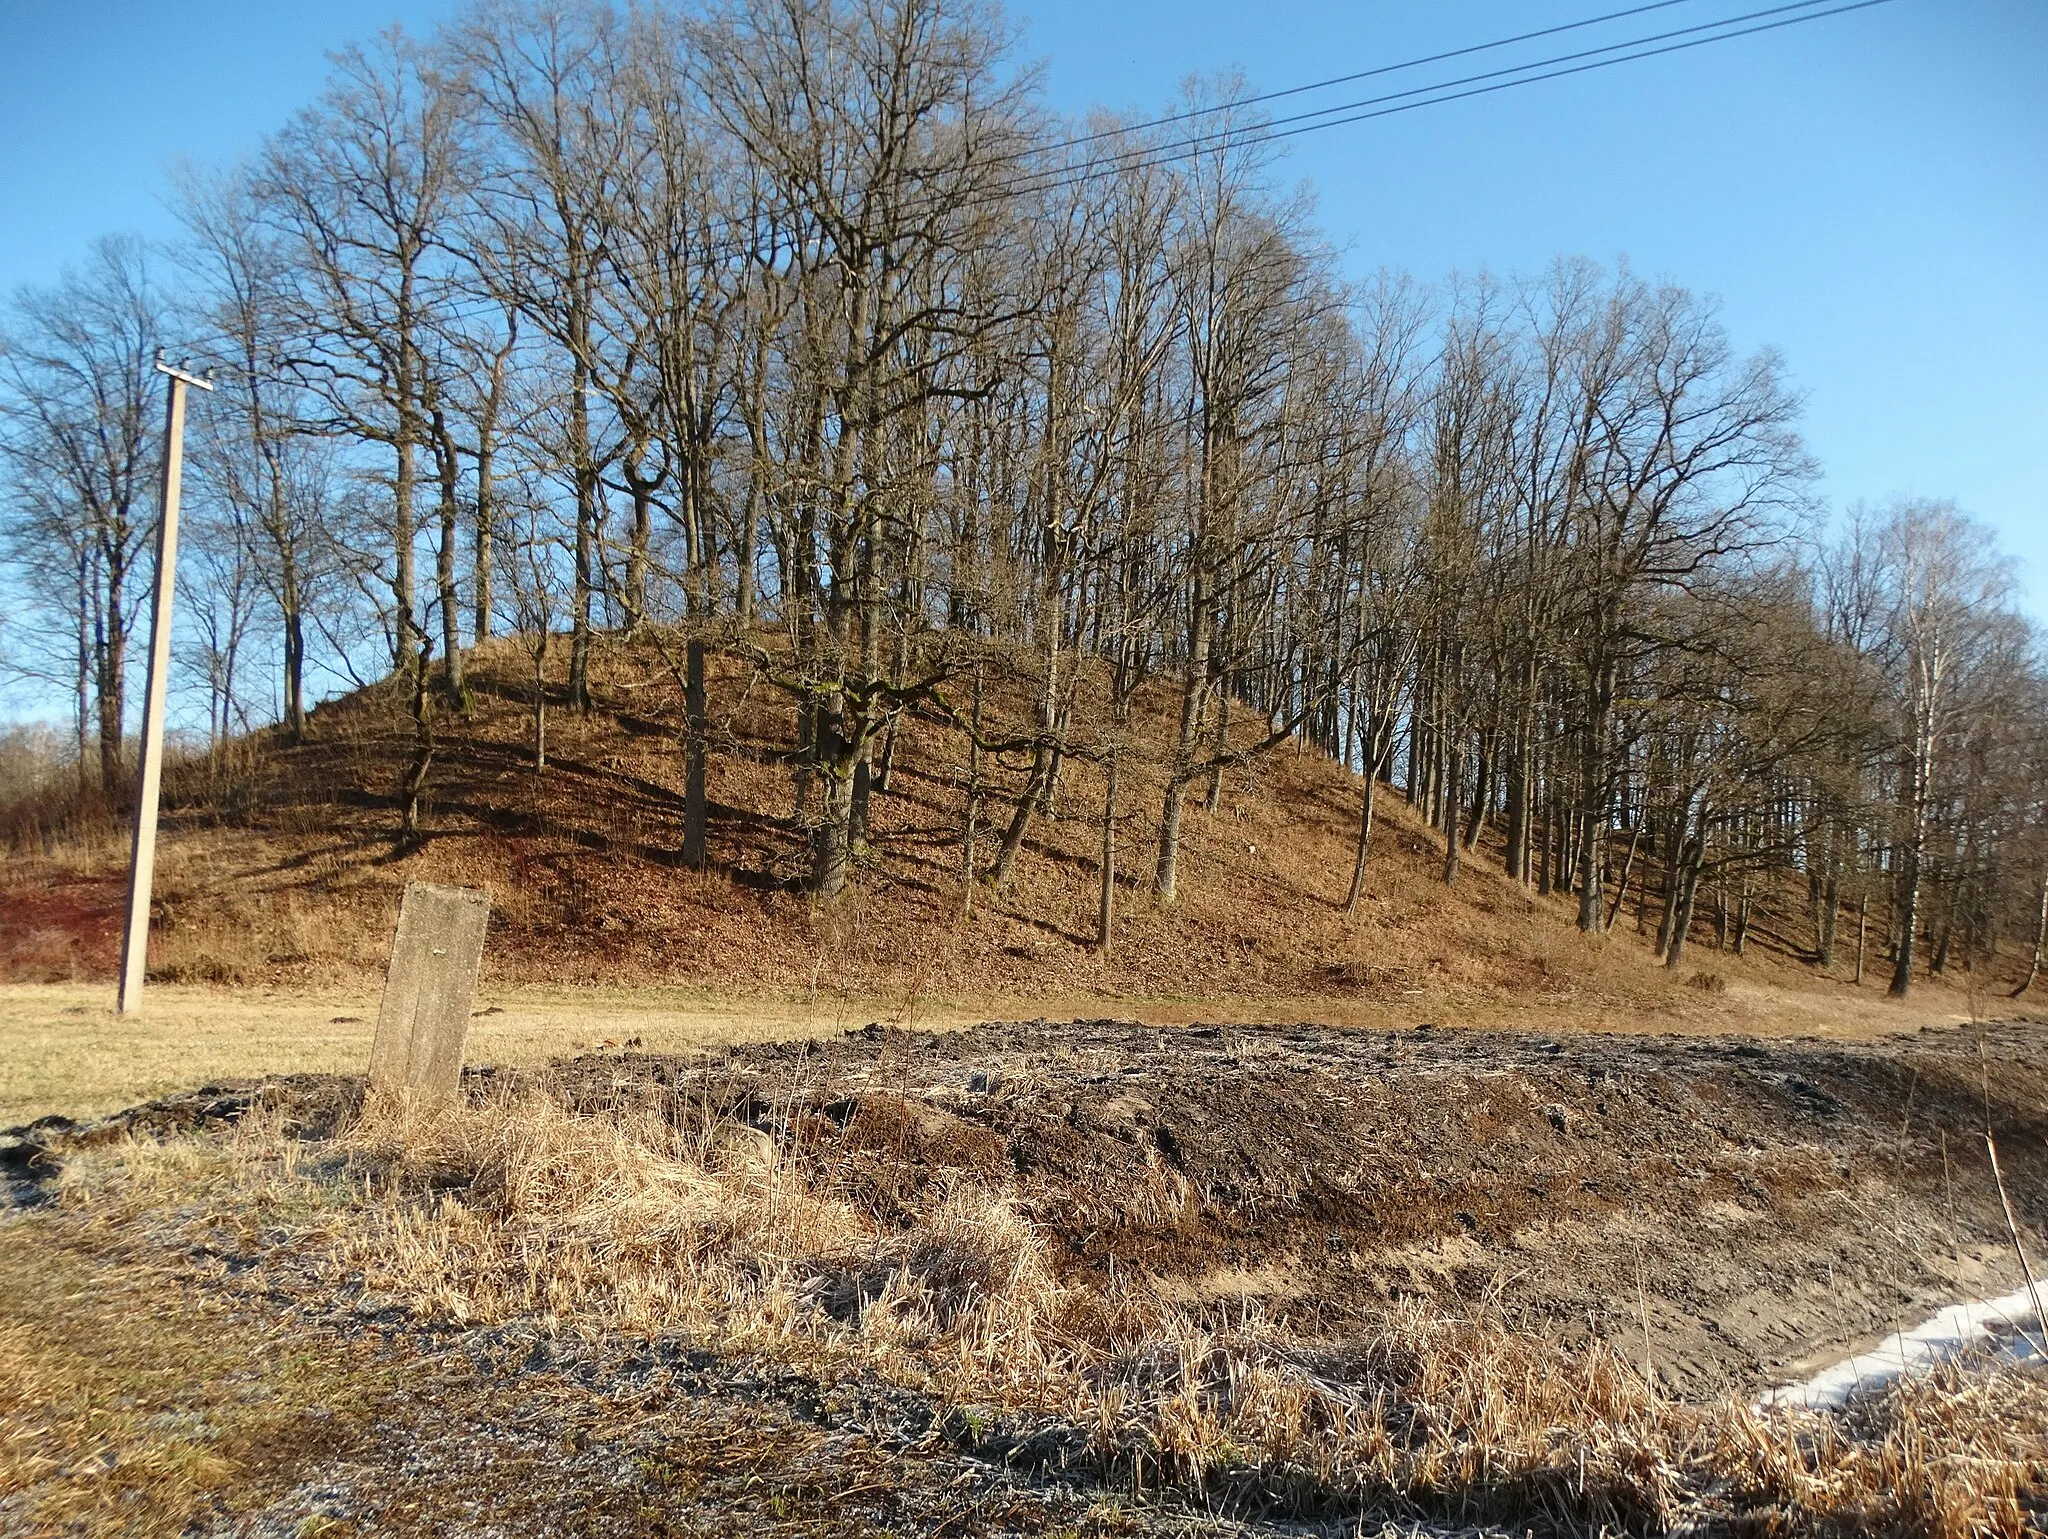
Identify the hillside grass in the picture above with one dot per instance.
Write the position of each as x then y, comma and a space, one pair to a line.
279, 873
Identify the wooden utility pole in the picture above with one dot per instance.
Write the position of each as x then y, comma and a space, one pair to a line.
149, 776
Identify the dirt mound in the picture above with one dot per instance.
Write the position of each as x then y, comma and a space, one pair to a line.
1737, 1210
1734, 1210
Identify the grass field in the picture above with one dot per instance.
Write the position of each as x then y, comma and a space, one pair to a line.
63, 1048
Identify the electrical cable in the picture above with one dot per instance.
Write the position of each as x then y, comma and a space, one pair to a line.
1559, 66
1368, 74
1443, 91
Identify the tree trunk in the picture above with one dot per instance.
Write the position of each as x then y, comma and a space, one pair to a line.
483, 549
83, 703
584, 473
1105, 914
695, 754
637, 542
1682, 920
413, 785
967, 827
1674, 851
887, 770
1522, 781
863, 799
540, 707
448, 472
402, 539
1364, 840
1515, 859
1482, 792
1454, 775
1020, 817
1592, 883
1048, 793
757, 475
293, 621
746, 553
1595, 805
110, 681
1628, 867
1831, 904
1166, 874
1908, 921
1214, 799
832, 841
888, 766
2040, 941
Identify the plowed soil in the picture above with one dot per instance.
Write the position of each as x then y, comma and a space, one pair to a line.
1740, 1211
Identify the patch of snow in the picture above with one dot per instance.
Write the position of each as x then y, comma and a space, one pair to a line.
1998, 1325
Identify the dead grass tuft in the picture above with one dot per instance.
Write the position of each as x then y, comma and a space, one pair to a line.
521, 1208
1961, 1452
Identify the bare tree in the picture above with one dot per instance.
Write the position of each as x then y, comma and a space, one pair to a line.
80, 439
800, 331
254, 457
1689, 453
1943, 593
358, 192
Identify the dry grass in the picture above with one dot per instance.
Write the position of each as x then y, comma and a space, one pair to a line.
663, 1224
63, 1049
1957, 1454
128, 1405
278, 870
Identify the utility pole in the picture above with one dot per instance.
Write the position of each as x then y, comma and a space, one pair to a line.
149, 777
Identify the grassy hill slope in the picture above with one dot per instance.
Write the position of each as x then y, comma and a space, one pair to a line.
280, 868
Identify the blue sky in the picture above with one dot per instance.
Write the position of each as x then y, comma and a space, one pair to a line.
1868, 194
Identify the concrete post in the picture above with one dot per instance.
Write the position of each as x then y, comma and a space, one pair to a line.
428, 992
149, 775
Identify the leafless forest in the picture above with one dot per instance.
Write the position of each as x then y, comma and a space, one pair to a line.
801, 332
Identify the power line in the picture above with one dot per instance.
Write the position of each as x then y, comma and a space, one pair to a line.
1368, 74
1438, 93
1580, 69
1559, 66
1142, 153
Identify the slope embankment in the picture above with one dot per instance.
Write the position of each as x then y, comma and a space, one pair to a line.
280, 868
